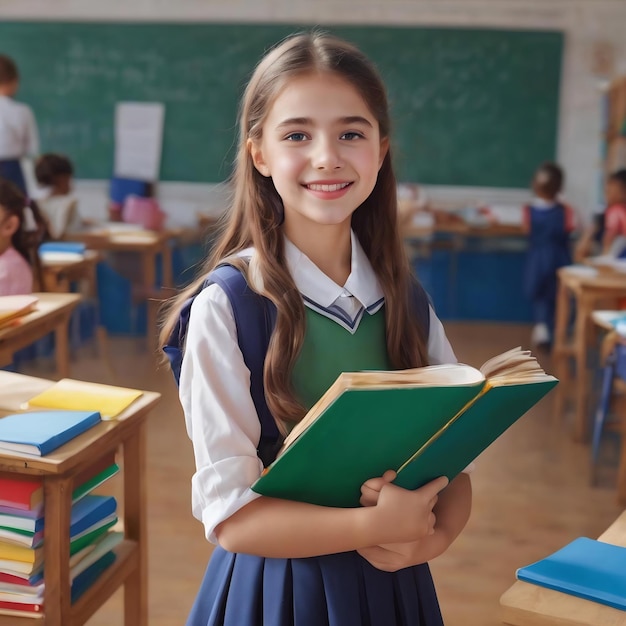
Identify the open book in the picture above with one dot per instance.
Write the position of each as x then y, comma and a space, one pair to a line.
13, 307
424, 423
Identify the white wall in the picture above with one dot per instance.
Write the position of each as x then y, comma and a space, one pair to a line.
587, 24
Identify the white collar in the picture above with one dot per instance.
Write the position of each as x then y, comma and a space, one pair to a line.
315, 286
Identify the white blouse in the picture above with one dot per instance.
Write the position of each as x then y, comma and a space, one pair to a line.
18, 130
215, 382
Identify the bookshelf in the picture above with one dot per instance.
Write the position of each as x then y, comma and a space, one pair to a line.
58, 470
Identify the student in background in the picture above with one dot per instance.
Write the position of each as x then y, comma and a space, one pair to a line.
59, 206
18, 130
607, 232
16, 275
548, 223
313, 227
614, 231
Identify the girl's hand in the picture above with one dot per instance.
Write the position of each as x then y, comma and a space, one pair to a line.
371, 488
401, 515
392, 557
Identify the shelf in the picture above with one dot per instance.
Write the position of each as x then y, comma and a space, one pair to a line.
108, 582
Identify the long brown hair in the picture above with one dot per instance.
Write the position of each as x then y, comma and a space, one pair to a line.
255, 219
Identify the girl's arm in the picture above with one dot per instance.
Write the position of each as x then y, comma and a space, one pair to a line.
282, 529
452, 512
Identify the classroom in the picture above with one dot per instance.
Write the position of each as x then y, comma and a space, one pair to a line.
507, 138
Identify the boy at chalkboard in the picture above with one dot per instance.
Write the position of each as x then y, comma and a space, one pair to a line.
18, 130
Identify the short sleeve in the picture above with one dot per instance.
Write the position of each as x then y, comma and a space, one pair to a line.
219, 412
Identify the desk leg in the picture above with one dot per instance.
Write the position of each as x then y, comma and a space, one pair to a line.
135, 526
581, 417
149, 271
58, 499
61, 348
561, 348
166, 261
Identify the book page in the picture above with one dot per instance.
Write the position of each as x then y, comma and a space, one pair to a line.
514, 367
452, 374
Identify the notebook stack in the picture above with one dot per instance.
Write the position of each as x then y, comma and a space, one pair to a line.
23, 536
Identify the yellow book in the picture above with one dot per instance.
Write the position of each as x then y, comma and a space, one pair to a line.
77, 395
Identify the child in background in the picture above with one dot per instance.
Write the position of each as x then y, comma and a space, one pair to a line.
313, 228
548, 223
614, 231
16, 275
18, 130
59, 206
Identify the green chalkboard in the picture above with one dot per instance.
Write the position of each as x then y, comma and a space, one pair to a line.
470, 107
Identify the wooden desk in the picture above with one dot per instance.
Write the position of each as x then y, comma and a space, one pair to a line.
589, 289
51, 315
525, 604
58, 275
58, 470
148, 244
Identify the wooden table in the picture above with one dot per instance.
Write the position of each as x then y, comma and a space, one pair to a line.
58, 470
52, 314
59, 274
589, 289
525, 604
148, 244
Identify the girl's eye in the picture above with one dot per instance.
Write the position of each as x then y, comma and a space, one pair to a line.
296, 137
351, 135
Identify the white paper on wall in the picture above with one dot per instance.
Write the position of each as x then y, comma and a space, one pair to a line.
138, 139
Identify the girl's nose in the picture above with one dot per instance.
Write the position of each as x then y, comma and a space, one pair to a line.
327, 155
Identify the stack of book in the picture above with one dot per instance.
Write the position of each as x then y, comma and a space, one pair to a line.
23, 514
23, 536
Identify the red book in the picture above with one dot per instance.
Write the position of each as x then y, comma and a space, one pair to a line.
24, 494
18, 606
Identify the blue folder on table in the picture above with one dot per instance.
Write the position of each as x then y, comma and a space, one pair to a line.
586, 568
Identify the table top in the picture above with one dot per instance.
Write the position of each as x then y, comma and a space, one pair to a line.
525, 604
63, 264
112, 238
17, 389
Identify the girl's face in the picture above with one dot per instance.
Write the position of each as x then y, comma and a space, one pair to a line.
9, 223
322, 147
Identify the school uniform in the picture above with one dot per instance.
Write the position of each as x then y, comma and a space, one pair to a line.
345, 330
16, 275
18, 138
549, 225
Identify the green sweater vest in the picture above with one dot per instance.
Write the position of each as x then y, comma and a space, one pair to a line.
329, 349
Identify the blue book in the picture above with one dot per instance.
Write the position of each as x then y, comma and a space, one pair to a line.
75, 247
90, 510
40, 432
585, 568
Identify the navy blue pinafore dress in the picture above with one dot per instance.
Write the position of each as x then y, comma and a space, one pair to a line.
332, 590
548, 250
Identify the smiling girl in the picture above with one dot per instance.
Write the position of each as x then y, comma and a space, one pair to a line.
313, 236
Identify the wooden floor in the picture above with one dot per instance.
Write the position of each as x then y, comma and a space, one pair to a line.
531, 493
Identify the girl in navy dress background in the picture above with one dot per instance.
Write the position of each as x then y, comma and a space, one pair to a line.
549, 223
312, 228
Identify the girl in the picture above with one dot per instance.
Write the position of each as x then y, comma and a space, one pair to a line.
549, 224
55, 172
312, 228
16, 276
614, 232
18, 130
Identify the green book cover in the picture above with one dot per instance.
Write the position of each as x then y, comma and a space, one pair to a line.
364, 432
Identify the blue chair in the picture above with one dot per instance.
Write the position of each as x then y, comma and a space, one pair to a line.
613, 372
